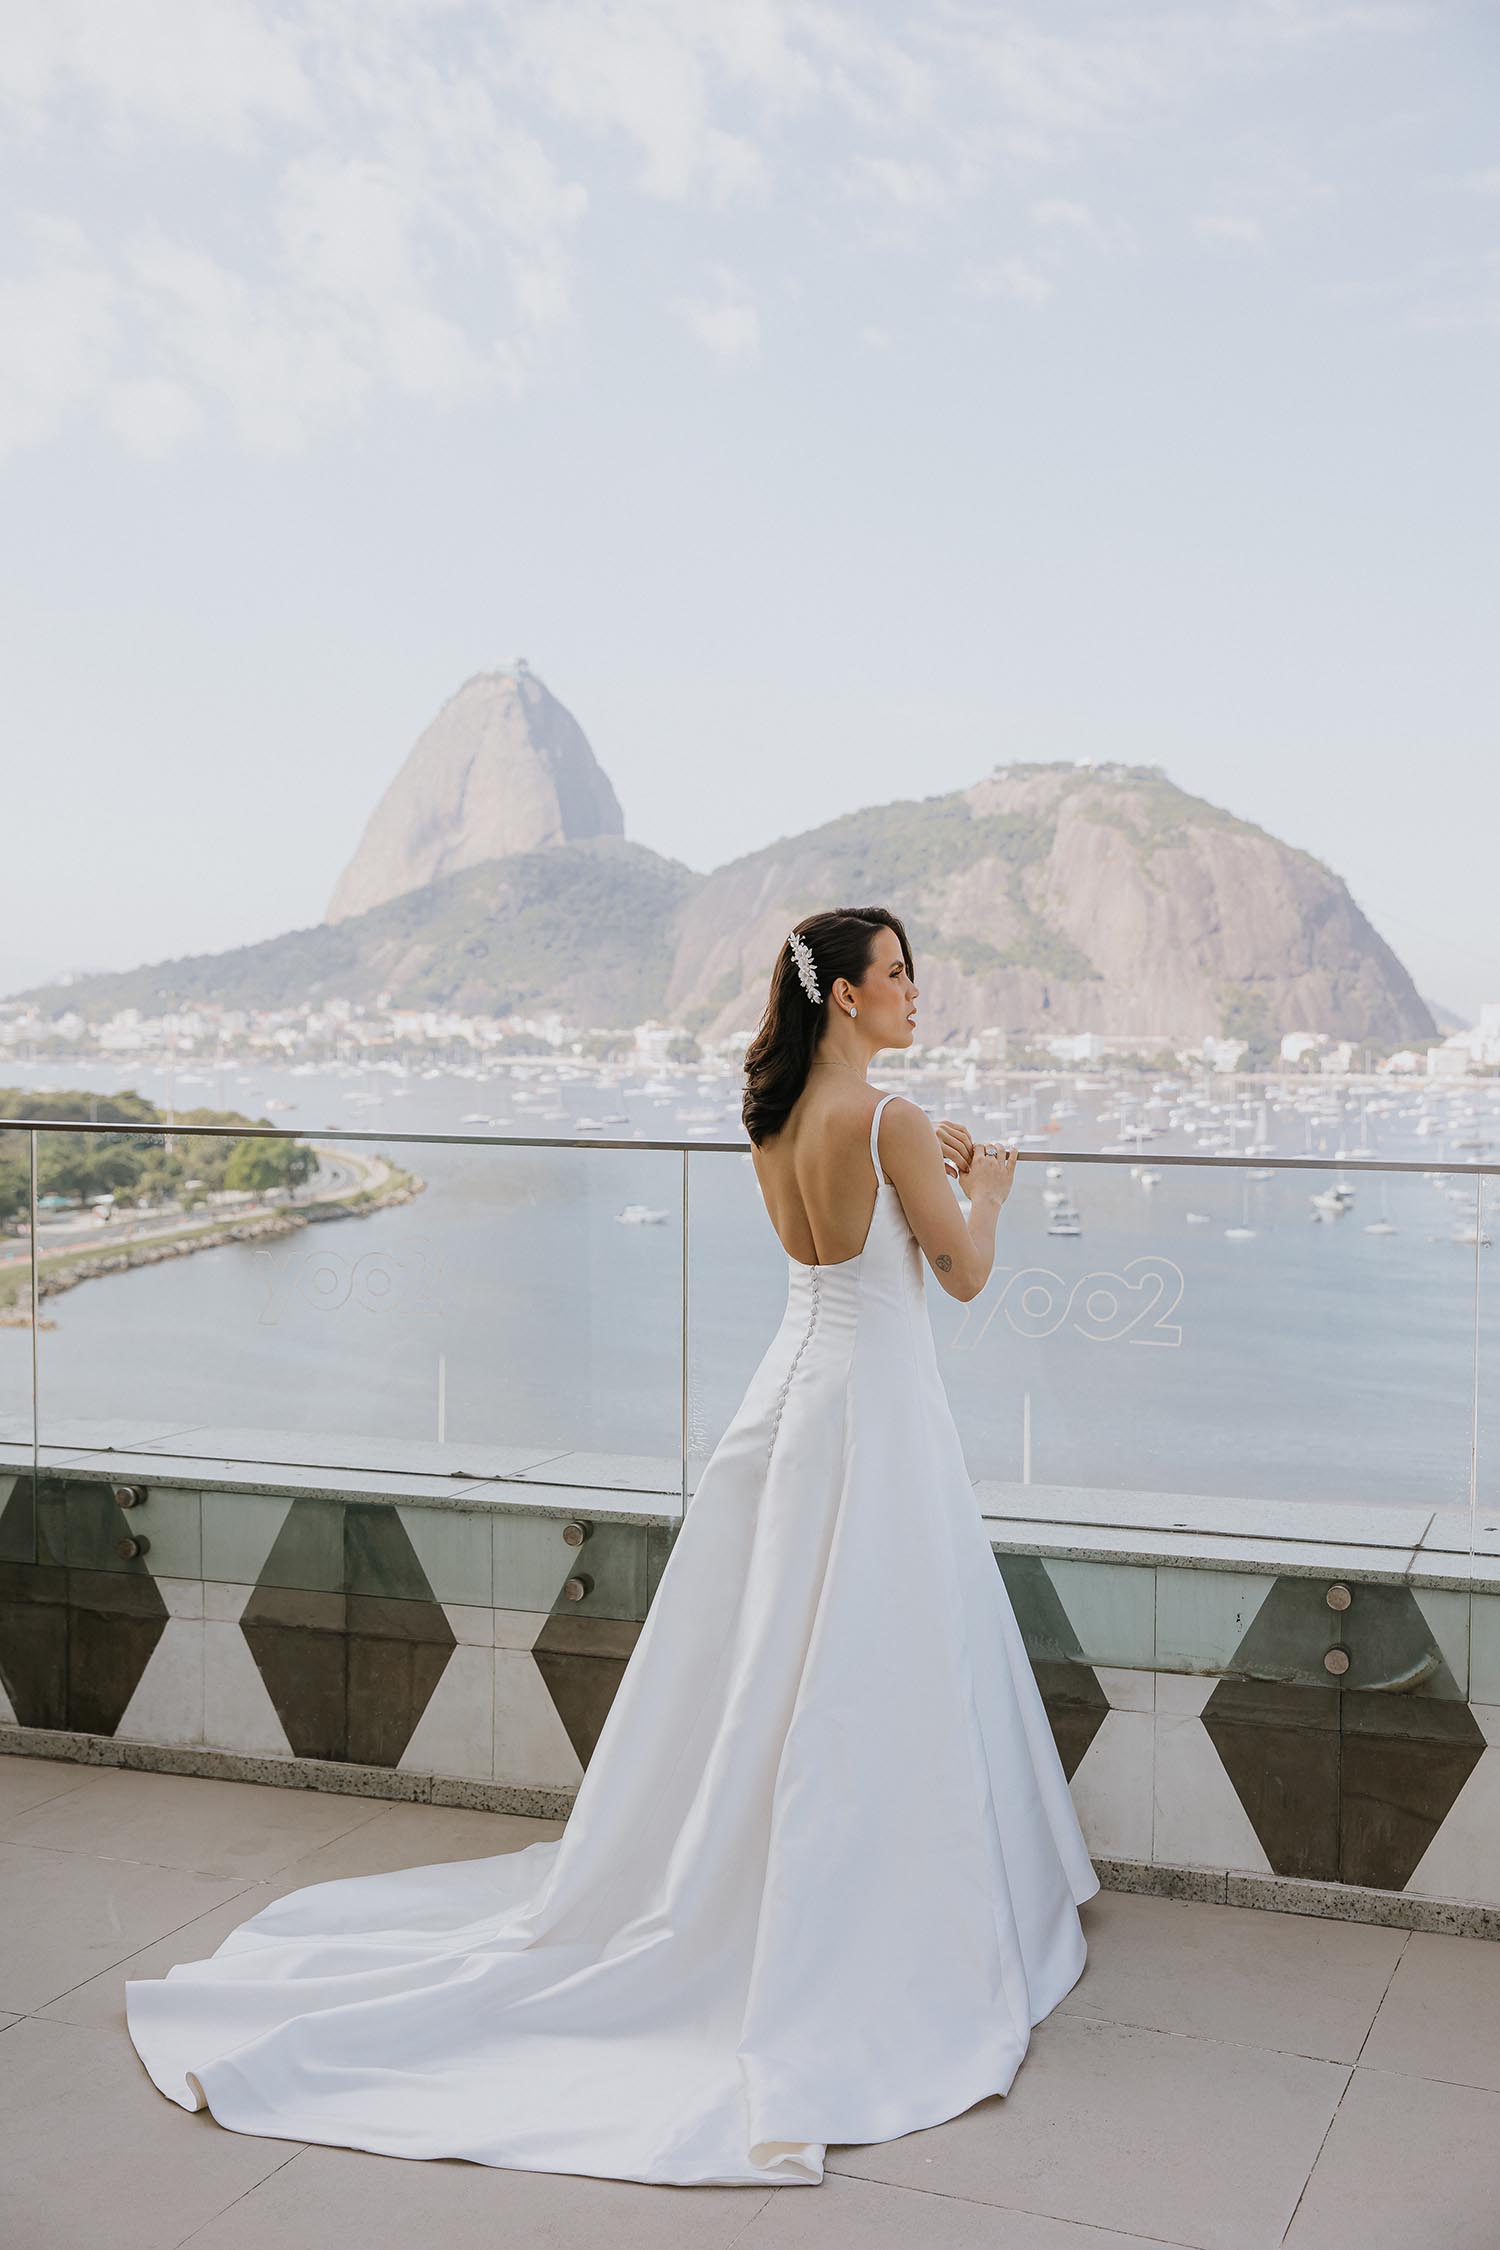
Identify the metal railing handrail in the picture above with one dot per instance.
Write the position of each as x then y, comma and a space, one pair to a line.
1227, 1159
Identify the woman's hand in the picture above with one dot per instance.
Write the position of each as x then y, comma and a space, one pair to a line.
957, 1145
992, 1171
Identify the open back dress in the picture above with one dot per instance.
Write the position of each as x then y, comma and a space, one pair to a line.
820, 1878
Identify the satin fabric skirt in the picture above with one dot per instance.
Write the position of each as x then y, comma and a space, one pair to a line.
821, 1877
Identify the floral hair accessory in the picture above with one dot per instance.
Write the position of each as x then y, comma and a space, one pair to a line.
802, 955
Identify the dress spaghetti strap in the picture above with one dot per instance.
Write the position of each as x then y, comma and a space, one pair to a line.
874, 1130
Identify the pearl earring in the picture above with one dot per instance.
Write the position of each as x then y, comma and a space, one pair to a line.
853, 1012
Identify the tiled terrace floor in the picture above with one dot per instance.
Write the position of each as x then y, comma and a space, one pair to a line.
1219, 2078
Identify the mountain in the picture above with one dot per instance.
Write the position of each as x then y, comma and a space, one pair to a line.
1056, 897
493, 877
1448, 1019
584, 928
503, 768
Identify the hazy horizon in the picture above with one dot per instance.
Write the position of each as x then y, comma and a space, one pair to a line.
830, 402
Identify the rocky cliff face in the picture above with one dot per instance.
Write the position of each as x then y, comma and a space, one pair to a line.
493, 875
1062, 898
503, 768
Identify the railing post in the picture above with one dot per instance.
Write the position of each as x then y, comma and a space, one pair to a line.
1477, 1359
682, 1509
36, 1415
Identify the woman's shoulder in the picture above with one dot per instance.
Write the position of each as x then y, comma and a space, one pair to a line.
901, 1113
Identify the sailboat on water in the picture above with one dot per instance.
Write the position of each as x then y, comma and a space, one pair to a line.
1385, 1224
1244, 1232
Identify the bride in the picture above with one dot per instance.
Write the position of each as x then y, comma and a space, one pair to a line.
822, 1873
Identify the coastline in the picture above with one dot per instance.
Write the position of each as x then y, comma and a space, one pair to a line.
386, 1184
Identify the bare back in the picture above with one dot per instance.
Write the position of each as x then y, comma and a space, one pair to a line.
816, 1175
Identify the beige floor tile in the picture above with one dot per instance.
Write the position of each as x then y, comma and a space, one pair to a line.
91, 2153
342, 2199
25, 1782
1407, 2164
223, 1828
1177, 2097
65, 1917
845, 2214
99, 2003
1441, 2016
1290, 1981
421, 1835
1147, 2132
403, 1836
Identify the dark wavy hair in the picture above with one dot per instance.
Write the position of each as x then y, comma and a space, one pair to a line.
842, 943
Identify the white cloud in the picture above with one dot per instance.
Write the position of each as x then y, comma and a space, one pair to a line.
727, 324
1471, 305
646, 71
58, 338
275, 366
272, 217
1010, 277
1066, 215
151, 416
915, 186
348, 234
1057, 91
211, 70
1210, 227
1058, 211
398, 233
875, 79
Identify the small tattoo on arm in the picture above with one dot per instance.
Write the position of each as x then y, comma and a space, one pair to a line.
943, 1264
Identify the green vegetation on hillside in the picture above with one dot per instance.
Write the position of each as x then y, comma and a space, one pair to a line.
136, 1168
887, 853
590, 920
1245, 1013
1162, 815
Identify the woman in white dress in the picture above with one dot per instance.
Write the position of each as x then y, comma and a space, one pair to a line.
822, 1873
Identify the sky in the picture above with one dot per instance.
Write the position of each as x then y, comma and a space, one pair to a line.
829, 399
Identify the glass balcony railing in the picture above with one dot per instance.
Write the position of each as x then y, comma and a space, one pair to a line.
18, 1334
1283, 1352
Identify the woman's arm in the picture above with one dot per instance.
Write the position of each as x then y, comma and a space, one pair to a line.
960, 1251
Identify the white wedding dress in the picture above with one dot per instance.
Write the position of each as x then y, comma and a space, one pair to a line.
822, 1873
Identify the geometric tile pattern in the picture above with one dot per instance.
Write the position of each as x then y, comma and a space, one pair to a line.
1355, 1801
456, 1732
341, 1637
167, 1706
1077, 1705
345, 1631
581, 1660
238, 1714
1197, 1818
1279, 1745
1344, 1778
1192, 1711
1404, 1761
1340, 1777
74, 1641
1383, 1634
531, 1745
1469, 1838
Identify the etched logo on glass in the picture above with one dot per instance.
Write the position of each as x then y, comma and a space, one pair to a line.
1132, 1307
331, 1280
